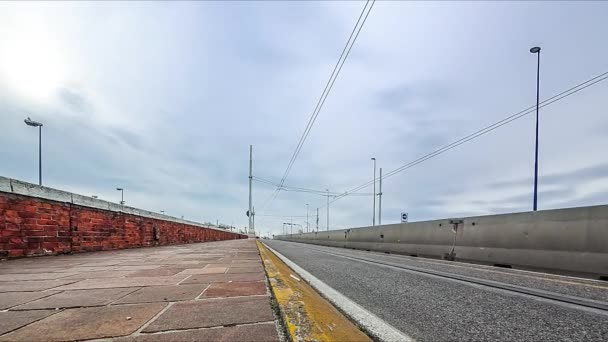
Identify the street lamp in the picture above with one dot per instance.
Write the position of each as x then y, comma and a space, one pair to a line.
374, 207
536, 50
307, 226
33, 123
327, 209
122, 195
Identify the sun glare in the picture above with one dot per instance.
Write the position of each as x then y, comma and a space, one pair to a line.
31, 64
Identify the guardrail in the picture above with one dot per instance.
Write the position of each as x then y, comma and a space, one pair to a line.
571, 240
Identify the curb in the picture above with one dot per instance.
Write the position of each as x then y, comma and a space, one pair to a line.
306, 315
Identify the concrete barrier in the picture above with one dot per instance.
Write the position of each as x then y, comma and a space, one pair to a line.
571, 240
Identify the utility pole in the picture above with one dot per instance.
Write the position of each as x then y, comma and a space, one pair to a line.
307, 226
380, 201
253, 219
291, 227
327, 209
374, 197
317, 219
250, 180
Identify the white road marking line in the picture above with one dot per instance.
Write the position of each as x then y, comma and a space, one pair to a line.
372, 323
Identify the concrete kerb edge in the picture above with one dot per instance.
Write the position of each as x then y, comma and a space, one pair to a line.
17, 187
280, 323
368, 322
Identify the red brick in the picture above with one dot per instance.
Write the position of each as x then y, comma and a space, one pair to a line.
31, 208
16, 252
47, 224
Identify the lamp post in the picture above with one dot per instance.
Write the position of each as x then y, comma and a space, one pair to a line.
536, 50
374, 206
33, 123
307, 225
122, 195
327, 209
380, 201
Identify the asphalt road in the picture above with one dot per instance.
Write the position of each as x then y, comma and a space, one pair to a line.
431, 307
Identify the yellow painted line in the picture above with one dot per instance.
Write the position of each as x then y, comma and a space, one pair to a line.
308, 316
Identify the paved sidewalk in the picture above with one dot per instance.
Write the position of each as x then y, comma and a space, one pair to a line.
213, 291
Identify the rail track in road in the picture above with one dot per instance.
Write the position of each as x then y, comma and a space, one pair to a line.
514, 289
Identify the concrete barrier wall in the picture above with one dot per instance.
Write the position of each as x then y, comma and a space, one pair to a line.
572, 240
36, 220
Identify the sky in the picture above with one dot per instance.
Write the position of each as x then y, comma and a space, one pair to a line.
164, 99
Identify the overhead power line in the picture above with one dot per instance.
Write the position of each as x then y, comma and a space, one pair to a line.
297, 189
573, 90
328, 86
283, 216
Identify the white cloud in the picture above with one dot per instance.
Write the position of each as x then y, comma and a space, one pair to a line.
165, 98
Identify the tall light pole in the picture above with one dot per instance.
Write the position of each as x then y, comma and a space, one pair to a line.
33, 123
122, 195
374, 207
380, 201
317, 219
250, 180
536, 50
307, 226
327, 209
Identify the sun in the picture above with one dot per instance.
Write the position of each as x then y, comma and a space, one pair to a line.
31, 63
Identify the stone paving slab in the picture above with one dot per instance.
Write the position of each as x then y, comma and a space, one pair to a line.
87, 323
26, 270
135, 267
78, 298
100, 264
35, 276
242, 333
172, 293
212, 313
206, 270
122, 282
215, 264
12, 320
100, 274
235, 289
10, 299
245, 269
224, 278
80, 269
32, 285
113, 294
156, 272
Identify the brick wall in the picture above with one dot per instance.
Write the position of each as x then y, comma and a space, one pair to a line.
32, 226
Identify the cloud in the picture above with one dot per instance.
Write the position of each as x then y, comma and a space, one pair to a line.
164, 100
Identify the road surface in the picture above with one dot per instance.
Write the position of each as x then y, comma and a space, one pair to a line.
436, 300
